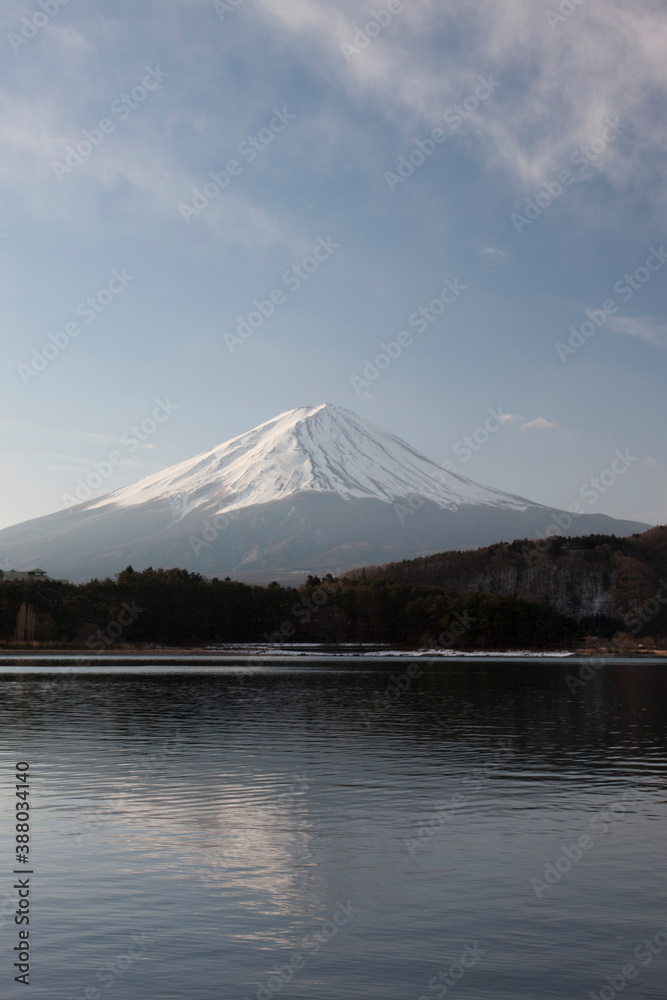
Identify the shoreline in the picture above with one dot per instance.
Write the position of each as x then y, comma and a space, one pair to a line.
272, 650
166, 659
300, 650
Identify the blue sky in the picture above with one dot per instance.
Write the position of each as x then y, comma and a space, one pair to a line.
363, 160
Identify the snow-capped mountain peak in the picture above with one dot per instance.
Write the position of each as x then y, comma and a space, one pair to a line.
316, 449
315, 489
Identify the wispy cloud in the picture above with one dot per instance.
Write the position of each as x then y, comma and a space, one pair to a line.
558, 86
651, 331
539, 424
495, 259
137, 169
8, 426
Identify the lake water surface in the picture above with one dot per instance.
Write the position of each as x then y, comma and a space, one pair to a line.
387, 831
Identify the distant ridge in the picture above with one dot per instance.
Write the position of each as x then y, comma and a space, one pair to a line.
607, 583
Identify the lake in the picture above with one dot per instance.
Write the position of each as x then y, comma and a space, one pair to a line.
390, 831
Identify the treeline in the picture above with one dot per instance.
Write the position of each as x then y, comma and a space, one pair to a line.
607, 584
177, 608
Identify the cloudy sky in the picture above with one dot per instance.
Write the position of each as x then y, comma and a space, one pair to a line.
231, 207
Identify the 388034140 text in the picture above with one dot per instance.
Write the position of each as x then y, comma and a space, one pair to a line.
21, 950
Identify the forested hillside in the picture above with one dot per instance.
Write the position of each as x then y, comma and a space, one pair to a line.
608, 584
175, 607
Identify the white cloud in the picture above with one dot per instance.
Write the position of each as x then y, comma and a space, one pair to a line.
649, 330
131, 161
539, 424
557, 87
9, 426
495, 260
136, 174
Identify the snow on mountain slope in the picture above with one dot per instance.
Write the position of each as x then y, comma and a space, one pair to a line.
316, 449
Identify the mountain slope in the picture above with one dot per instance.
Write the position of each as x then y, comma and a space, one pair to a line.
319, 449
605, 582
316, 489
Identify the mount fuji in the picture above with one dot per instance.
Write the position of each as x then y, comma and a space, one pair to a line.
316, 489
